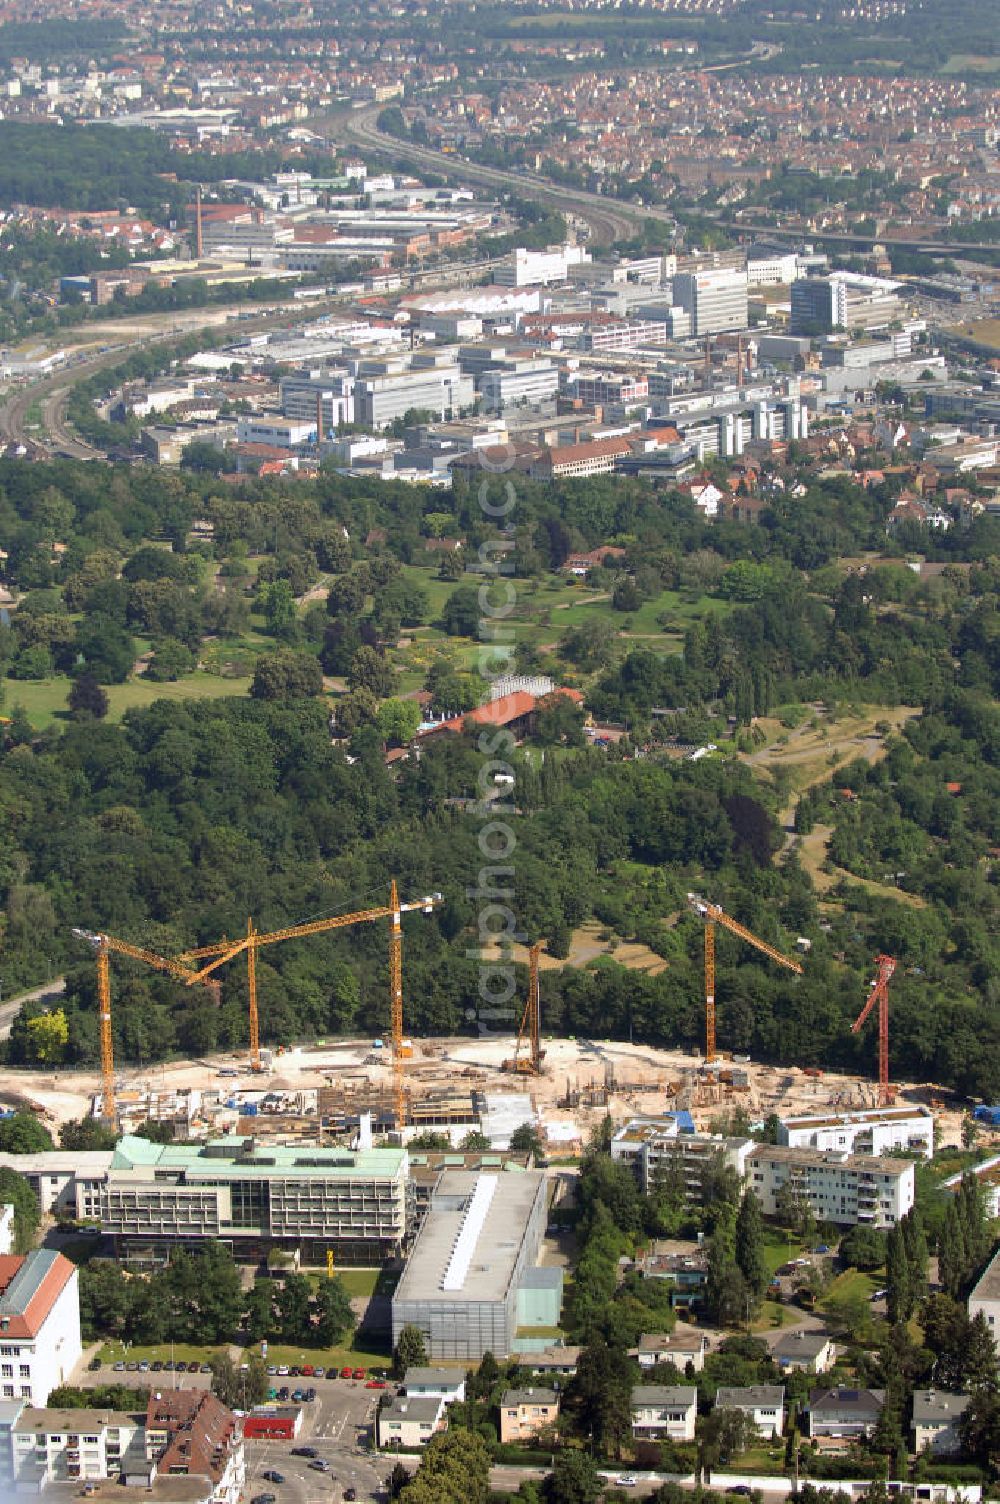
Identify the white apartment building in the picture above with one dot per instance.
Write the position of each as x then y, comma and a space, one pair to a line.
404, 1423
39, 1324
771, 268
840, 1187
524, 268
876, 1130
6, 1228
985, 1298
716, 299
651, 1145
53, 1445
936, 1421
284, 433
662, 1412
442, 390
988, 1175
308, 395
519, 383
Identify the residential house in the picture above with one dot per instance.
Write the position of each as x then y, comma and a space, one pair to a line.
812, 1352
844, 1414
663, 1412
936, 1421
404, 1422
525, 1412
191, 1433
985, 1298
435, 1383
679, 1348
53, 1445
763, 1403
554, 1361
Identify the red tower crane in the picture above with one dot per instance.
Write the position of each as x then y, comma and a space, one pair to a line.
884, 968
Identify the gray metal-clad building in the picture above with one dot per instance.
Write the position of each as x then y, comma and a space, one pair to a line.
481, 1234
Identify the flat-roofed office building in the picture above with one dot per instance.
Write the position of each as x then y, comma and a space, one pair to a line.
254, 1197
481, 1235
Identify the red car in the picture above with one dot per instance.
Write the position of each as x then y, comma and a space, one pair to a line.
346, 1373
375, 1384
358, 1373
307, 1370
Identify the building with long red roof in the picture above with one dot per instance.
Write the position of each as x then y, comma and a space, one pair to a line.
39, 1324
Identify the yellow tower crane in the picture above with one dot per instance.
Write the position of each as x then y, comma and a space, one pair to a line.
224, 950
713, 915
528, 1054
106, 945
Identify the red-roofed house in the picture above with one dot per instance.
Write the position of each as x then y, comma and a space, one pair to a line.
515, 712
39, 1324
191, 1432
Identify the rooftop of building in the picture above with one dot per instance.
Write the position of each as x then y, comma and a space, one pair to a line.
243, 1157
73, 1421
681, 1395
863, 1164
493, 1229
427, 1376
800, 1344
512, 1397
199, 1428
862, 1400
937, 1405
987, 1287
410, 1407
744, 1395
860, 1116
29, 1288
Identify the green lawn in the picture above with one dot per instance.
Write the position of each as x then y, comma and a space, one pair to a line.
853, 1284
329, 1357
359, 1281
44, 701
679, 607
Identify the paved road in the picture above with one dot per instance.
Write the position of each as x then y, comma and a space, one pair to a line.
10, 1009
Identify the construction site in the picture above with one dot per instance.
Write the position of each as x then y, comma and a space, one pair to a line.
452, 1086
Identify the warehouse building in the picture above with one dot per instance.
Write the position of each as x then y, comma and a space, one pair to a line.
478, 1241
254, 1197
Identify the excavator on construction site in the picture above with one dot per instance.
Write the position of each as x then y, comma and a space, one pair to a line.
225, 950
528, 1053
106, 946
885, 967
713, 915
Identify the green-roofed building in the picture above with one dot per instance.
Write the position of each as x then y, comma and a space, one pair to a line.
254, 1198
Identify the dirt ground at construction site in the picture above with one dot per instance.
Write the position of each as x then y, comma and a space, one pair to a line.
583, 1080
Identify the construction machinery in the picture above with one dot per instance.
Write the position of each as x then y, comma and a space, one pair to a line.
528, 1054
225, 950
106, 945
885, 966
713, 915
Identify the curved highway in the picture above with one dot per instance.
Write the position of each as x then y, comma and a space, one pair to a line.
609, 220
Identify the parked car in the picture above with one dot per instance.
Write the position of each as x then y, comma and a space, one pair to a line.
350, 1494
205, 1368
283, 1392
375, 1384
298, 1395
304, 1452
320, 1465
264, 1499
309, 1395
194, 1366
119, 1367
627, 1480
346, 1373
307, 1370
358, 1373
94, 1365
319, 1372
273, 1476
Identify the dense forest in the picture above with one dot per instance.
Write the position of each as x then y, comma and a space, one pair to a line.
173, 825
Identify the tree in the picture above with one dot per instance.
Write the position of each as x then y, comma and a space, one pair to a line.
87, 1134
527, 1140
462, 612
170, 661
899, 1300
475, 1143
107, 649
750, 1245
600, 1395
293, 1307
48, 1036
24, 1134
15, 1191
371, 670
398, 1479
397, 721
559, 722
411, 1351
727, 1294
723, 1434
286, 675
793, 1210
87, 700
573, 1480
863, 1248
334, 1317
239, 1388
199, 1295
259, 1314
279, 606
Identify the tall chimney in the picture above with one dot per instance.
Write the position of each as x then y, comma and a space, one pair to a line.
319, 418
199, 242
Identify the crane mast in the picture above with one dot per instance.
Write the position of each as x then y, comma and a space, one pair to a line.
106, 945
712, 915
527, 1058
885, 967
225, 950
